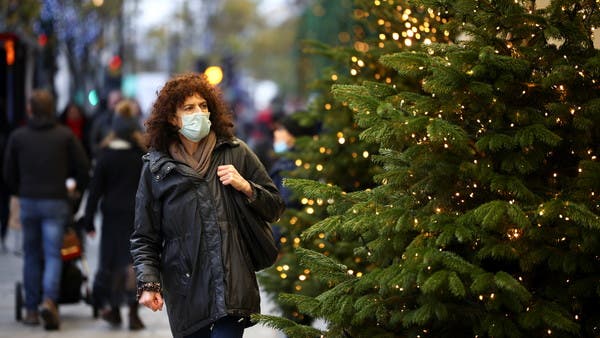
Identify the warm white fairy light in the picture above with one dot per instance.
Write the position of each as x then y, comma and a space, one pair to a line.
513, 234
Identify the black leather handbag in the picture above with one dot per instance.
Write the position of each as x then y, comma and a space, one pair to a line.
257, 236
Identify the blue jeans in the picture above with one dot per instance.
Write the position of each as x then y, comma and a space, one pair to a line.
226, 327
43, 222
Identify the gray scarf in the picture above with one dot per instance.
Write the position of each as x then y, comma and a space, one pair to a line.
200, 159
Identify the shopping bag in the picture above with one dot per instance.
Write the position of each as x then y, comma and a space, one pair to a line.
71, 247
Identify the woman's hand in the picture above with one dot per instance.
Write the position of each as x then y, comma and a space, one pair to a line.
230, 176
152, 300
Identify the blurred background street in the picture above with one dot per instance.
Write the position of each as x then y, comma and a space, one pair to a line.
439, 159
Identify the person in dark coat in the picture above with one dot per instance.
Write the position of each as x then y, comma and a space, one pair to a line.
285, 131
74, 117
114, 184
187, 246
39, 158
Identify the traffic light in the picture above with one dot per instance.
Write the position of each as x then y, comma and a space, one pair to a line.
9, 47
114, 66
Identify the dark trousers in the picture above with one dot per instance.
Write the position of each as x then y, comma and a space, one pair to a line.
114, 287
226, 327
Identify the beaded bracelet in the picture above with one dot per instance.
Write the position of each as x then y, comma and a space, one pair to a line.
148, 286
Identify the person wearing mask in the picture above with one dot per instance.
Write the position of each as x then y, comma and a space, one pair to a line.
114, 185
186, 246
285, 131
39, 158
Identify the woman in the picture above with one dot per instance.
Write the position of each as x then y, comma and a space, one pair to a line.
114, 181
186, 245
74, 117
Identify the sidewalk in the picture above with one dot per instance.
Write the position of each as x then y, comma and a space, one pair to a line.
77, 320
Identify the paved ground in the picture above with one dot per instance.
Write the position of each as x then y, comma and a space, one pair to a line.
77, 319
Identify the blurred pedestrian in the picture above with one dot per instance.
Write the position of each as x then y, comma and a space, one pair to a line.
74, 117
285, 131
39, 158
114, 184
261, 135
186, 245
102, 122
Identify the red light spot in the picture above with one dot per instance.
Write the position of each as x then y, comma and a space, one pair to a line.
42, 40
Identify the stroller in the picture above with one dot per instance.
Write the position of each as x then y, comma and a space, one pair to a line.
74, 279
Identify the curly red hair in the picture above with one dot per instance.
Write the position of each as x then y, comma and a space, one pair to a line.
161, 132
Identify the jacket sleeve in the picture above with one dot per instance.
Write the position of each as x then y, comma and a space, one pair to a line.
146, 241
96, 190
266, 200
80, 165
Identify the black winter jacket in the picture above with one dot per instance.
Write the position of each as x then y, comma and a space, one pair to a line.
186, 235
40, 157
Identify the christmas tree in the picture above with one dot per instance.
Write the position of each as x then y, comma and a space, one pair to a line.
322, 23
485, 218
334, 154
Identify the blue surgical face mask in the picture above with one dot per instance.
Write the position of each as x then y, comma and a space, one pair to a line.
280, 147
195, 126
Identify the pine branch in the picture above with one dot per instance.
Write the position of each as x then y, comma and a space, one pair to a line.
326, 268
289, 327
313, 189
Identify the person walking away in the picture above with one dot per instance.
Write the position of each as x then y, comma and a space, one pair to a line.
114, 184
39, 158
187, 245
